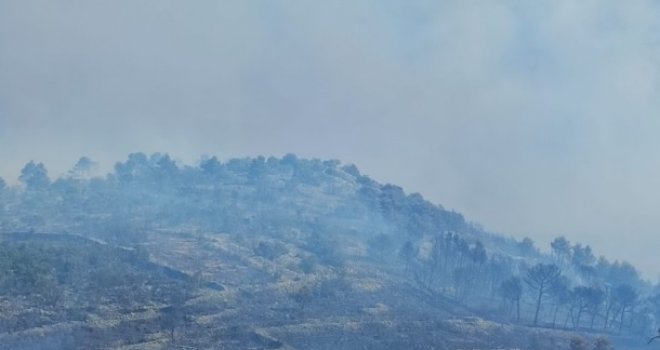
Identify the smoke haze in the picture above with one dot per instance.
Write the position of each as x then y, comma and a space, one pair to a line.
535, 119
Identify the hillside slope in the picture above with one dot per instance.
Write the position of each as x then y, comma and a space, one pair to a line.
291, 253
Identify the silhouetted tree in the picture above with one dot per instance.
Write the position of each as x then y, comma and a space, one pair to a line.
623, 273
540, 277
478, 253
463, 279
596, 297
527, 247
654, 302
170, 318
257, 170
561, 249
136, 167
435, 255
34, 176
406, 253
560, 294
174, 315
83, 168
511, 290
162, 169
610, 302
463, 250
586, 299
289, 159
582, 255
625, 296
210, 166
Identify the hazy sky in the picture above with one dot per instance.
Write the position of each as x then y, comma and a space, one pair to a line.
534, 118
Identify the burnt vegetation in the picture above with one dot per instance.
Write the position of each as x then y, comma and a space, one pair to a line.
267, 252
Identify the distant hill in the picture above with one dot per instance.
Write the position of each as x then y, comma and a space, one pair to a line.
293, 253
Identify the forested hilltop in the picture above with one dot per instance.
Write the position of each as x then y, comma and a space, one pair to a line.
287, 253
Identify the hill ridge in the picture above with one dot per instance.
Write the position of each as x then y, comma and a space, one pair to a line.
309, 227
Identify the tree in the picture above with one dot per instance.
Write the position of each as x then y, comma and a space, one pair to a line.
174, 315
257, 170
609, 305
406, 253
83, 168
351, 169
623, 273
497, 269
654, 303
170, 319
210, 166
290, 159
3, 185
625, 296
585, 299
541, 277
511, 289
595, 299
582, 255
561, 249
133, 169
35, 176
526, 247
560, 294
439, 243
478, 253
162, 168
463, 279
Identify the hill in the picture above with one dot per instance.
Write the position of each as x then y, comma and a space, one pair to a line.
287, 253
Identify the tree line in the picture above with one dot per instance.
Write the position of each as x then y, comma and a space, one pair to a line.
568, 288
